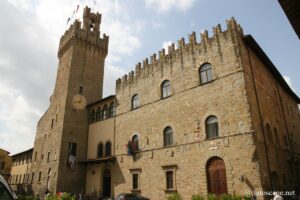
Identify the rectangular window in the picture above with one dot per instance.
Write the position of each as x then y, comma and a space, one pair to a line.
40, 176
170, 180
72, 155
48, 157
2, 164
135, 174
35, 156
135, 181
32, 177
80, 90
52, 123
170, 171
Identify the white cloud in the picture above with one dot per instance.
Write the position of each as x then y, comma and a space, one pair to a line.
288, 80
28, 58
167, 5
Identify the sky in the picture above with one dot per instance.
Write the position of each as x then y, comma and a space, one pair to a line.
31, 29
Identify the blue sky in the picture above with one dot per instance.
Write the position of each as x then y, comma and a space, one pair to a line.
30, 32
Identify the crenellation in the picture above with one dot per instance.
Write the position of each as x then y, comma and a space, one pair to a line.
192, 39
186, 49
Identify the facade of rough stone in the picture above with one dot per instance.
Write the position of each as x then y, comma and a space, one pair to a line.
21, 176
208, 117
5, 163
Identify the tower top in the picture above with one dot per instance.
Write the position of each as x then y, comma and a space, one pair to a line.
91, 21
88, 34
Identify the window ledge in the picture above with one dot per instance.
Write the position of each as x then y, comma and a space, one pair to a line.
170, 191
162, 98
136, 191
212, 80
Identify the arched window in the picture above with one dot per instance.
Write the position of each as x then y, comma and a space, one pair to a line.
135, 143
205, 73
212, 128
165, 89
108, 149
92, 116
135, 102
112, 109
104, 112
269, 133
98, 114
100, 150
168, 136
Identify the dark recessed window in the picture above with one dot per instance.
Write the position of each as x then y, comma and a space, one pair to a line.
108, 149
92, 116
168, 136
135, 181
80, 90
135, 102
166, 89
100, 151
205, 73
98, 114
170, 180
40, 176
112, 109
212, 128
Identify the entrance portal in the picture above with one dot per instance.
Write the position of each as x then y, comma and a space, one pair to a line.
216, 176
106, 183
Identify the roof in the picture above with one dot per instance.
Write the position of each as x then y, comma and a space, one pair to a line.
5, 151
23, 152
101, 100
270, 66
292, 11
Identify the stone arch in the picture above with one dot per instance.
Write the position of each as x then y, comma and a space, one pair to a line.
203, 178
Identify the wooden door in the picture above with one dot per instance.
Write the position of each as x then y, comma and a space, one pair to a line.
106, 183
216, 176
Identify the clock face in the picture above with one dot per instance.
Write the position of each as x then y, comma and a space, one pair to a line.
79, 102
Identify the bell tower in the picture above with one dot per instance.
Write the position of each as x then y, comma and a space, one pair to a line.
61, 138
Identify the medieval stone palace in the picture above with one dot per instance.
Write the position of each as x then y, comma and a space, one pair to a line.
209, 117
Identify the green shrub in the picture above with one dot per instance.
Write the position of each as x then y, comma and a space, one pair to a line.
247, 197
237, 197
175, 196
197, 197
226, 197
211, 197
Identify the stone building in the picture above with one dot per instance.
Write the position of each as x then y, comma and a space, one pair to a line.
5, 163
21, 175
213, 116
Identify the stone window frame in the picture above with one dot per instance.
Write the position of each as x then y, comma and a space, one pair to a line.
211, 124
108, 151
170, 137
135, 101
201, 71
105, 112
170, 168
136, 172
166, 90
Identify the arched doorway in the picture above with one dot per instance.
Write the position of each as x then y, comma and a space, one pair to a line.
216, 176
106, 183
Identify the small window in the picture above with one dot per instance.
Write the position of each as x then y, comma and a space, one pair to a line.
100, 151
112, 110
205, 73
135, 181
48, 157
35, 156
92, 116
170, 180
32, 177
135, 102
98, 114
166, 89
168, 136
108, 149
104, 112
40, 176
2, 165
72, 150
80, 90
212, 128
52, 123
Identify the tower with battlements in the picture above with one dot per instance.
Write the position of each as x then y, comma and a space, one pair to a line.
61, 137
